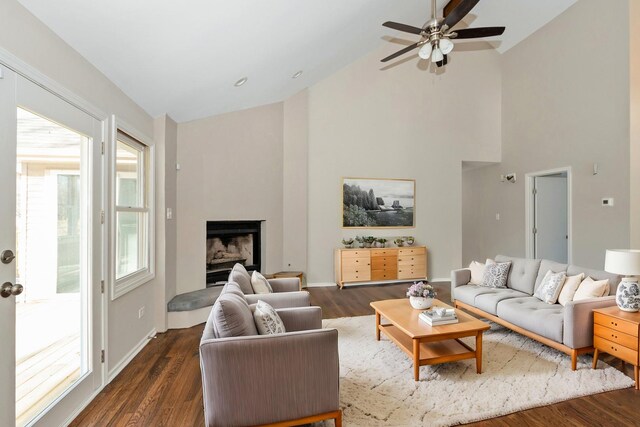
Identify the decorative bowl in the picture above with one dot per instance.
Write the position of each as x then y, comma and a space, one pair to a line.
421, 303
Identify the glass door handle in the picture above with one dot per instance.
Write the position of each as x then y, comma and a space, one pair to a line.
7, 256
7, 289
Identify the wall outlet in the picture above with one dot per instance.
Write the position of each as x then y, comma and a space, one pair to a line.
497, 217
141, 312
607, 202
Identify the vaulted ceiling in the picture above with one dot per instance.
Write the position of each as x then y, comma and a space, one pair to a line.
183, 57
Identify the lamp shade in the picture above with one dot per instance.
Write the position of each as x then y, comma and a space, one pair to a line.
425, 51
622, 261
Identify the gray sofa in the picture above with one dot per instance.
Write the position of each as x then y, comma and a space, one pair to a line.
250, 379
568, 329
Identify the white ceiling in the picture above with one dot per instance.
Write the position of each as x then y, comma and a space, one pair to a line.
183, 57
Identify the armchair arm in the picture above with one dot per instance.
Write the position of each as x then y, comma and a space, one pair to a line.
281, 300
285, 284
578, 320
284, 377
301, 318
458, 278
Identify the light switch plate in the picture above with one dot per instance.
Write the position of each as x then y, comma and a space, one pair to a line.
607, 201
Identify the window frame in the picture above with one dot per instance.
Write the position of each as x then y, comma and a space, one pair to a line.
136, 140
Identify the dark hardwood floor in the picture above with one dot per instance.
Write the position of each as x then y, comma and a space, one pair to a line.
161, 386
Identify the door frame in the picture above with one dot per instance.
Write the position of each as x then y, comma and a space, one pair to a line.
530, 207
32, 74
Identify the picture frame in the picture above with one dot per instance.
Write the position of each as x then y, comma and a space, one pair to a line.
378, 203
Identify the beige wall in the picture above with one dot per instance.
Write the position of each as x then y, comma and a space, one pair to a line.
402, 122
295, 182
231, 168
565, 102
23, 36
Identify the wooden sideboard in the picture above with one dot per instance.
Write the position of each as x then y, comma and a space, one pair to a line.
379, 265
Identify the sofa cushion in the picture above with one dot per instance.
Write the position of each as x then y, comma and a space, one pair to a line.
232, 288
590, 288
468, 293
614, 279
534, 315
232, 317
550, 288
495, 275
477, 272
545, 266
267, 319
241, 276
523, 273
488, 301
569, 288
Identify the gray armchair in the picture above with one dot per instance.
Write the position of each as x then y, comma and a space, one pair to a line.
286, 291
289, 379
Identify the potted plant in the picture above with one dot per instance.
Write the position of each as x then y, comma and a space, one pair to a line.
381, 243
399, 241
421, 295
409, 240
348, 243
368, 241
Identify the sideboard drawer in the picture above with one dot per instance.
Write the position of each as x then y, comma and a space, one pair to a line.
384, 275
355, 262
356, 276
412, 251
356, 254
418, 272
384, 252
412, 260
383, 263
626, 340
617, 350
623, 326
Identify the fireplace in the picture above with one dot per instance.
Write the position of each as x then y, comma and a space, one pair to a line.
230, 242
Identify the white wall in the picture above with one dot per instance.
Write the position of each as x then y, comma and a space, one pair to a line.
565, 102
295, 181
401, 122
634, 95
231, 168
23, 36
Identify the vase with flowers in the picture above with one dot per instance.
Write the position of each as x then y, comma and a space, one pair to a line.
421, 295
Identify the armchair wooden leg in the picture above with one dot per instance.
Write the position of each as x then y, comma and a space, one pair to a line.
338, 418
574, 359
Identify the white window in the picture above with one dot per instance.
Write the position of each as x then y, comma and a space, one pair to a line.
132, 214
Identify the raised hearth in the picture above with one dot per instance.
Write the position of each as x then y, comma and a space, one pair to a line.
230, 242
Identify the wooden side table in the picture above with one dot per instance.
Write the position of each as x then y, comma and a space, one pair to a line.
281, 274
616, 332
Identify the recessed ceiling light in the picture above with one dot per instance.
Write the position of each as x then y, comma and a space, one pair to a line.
297, 74
240, 82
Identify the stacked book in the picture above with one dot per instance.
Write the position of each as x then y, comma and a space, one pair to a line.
439, 316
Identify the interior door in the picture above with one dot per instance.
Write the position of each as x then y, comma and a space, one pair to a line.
551, 218
50, 209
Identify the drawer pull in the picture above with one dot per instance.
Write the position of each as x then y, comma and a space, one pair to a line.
614, 324
614, 349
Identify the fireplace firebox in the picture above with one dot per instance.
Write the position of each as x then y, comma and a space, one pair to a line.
231, 242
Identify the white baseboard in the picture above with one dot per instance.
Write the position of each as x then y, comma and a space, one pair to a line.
321, 285
440, 279
84, 404
129, 357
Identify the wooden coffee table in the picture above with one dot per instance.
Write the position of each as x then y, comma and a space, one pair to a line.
425, 344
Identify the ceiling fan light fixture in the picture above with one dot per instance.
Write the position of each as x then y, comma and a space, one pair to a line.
446, 46
437, 55
425, 51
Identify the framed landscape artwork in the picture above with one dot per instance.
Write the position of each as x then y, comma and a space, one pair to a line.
378, 203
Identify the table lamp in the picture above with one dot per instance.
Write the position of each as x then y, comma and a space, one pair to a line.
625, 262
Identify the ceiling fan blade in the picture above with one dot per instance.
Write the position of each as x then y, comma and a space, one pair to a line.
443, 62
402, 27
474, 33
400, 52
459, 12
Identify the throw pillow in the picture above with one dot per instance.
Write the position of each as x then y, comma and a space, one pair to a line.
232, 316
260, 284
232, 288
550, 287
267, 319
495, 275
477, 272
241, 276
569, 288
590, 288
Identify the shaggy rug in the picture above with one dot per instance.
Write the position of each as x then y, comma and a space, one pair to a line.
377, 386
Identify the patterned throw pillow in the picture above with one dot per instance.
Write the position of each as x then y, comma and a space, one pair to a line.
267, 319
259, 284
550, 287
495, 275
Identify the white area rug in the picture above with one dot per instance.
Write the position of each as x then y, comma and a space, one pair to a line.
377, 386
